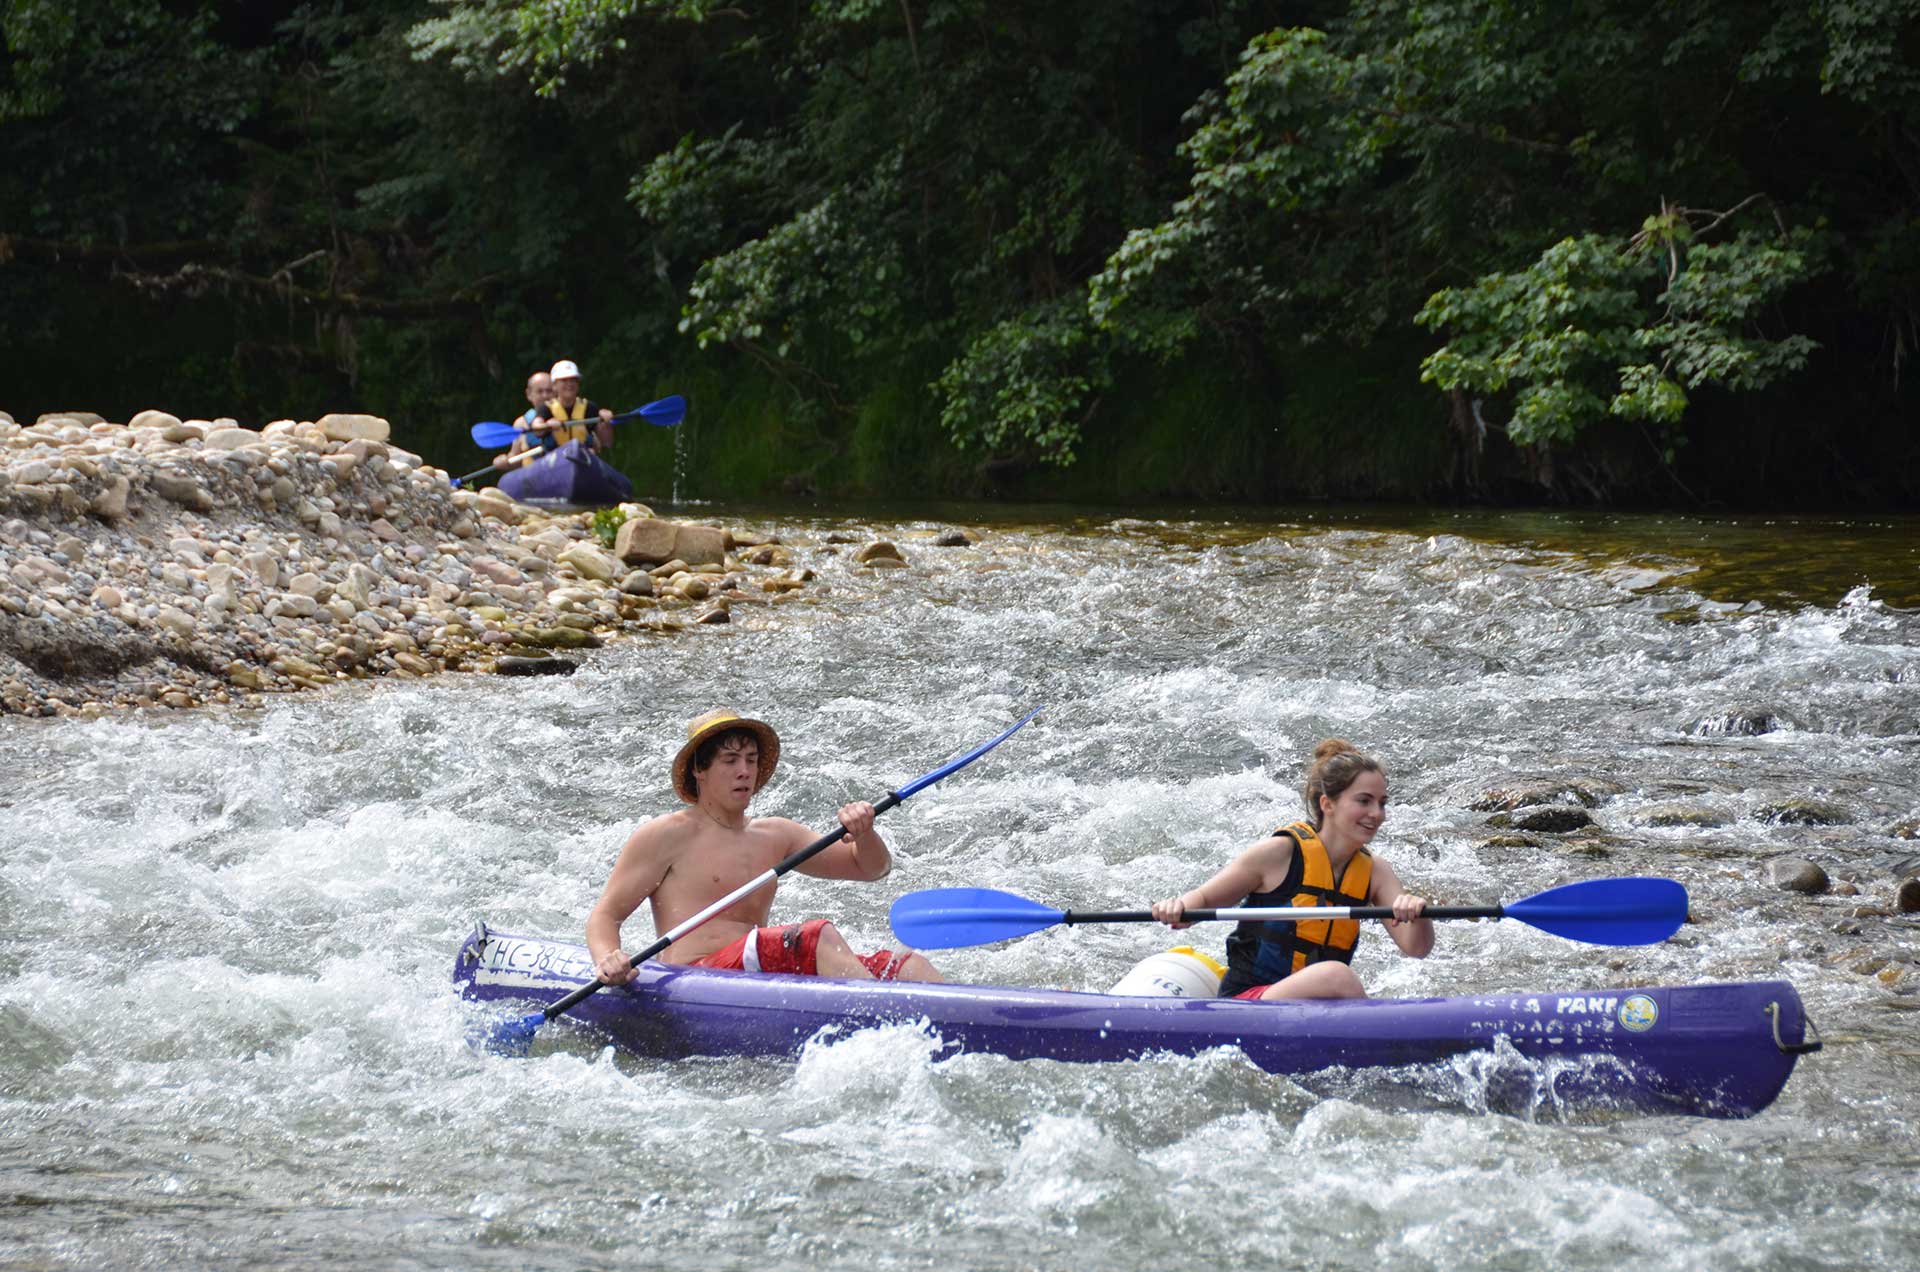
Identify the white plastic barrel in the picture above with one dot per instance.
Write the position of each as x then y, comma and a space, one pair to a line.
1181, 972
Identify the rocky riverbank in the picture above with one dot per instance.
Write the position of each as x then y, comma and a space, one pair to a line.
173, 563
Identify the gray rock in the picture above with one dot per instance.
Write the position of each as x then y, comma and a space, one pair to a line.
1797, 874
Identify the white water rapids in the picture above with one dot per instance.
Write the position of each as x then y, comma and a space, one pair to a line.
228, 1038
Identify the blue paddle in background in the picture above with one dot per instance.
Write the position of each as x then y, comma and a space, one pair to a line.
1630, 911
665, 413
513, 1037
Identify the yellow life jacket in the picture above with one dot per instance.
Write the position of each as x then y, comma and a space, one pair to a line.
1262, 952
563, 432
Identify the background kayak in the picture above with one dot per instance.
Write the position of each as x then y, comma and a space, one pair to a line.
570, 476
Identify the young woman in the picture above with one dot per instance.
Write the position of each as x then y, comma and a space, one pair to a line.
1322, 862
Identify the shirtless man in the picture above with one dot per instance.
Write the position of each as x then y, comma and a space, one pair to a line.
539, 389
685, 861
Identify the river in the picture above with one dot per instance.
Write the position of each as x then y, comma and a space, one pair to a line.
229, 1039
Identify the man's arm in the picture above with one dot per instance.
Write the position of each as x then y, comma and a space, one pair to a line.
861, 854
643, 863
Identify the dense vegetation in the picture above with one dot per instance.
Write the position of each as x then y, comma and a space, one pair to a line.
1580, 249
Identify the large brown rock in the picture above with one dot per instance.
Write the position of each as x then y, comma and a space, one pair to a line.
702, 545
644, 541
652, 541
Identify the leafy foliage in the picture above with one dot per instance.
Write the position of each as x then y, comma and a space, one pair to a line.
1022, 226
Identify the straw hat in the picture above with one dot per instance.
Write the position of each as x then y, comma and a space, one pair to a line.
719, 721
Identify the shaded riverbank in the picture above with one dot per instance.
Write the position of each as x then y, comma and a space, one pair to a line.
175, 563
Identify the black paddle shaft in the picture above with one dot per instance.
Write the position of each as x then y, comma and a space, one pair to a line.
1353, 912
825, 841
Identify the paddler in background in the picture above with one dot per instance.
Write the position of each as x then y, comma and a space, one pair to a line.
685, 861
1322, 862
572, 418
539, 391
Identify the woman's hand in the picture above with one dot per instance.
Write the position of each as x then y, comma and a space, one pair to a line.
1171, 910
1406, 908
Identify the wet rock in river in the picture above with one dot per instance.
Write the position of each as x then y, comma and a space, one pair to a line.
1797, 874
1683, 815
1906, 897
1523, 792
881, 554
1739, 724
516, 665
1550, 819
1802, 811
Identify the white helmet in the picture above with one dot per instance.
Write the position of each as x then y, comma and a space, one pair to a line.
564, 370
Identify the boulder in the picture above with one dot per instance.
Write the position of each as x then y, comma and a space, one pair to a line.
591, 562
644, 541
879, 550
346, 428
230, 438
183, 490
702, 545
112, 500
1797, 874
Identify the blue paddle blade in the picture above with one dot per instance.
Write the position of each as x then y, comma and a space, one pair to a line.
945, 918
492, 433
1633, 911
514, 1037
667, 412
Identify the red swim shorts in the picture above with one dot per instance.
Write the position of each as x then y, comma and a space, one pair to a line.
1253, 995
793, 948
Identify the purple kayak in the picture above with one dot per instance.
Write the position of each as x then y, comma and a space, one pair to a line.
1720, 1050
571, 476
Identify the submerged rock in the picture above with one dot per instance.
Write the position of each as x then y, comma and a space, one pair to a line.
1522, 792
516, 665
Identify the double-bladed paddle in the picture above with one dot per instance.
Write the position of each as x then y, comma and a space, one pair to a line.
667, 412
513, 1037
1630, 911
478, 473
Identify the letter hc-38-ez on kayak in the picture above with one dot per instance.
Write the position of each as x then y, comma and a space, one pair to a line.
1722, 1050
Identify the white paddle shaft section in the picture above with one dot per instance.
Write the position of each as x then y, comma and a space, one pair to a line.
746, 889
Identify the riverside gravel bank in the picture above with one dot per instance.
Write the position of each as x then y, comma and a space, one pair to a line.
175, 563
